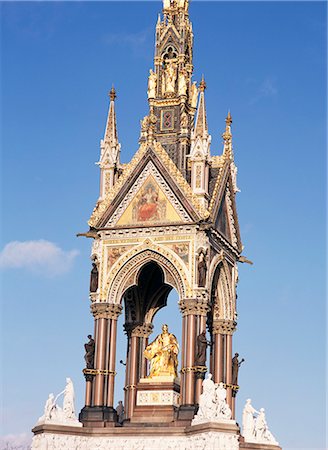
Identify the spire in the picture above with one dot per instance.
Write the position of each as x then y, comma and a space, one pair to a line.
109, 150
227, 137
201, 129
110, 140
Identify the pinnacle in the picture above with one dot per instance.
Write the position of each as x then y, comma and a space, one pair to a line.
112, 94
228, 119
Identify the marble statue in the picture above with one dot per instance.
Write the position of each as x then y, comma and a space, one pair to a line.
262, 433
94, 278
68, 403
182, 82
206, 410
202, 269
249, 421
235, 368
163, 354
193, 94
202, 343
152, 83
89, 352
213, 406
170, 76
57, 415
222, 408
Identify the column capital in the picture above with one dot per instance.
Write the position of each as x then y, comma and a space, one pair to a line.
106, 310
142, 330
197, 306
224, 326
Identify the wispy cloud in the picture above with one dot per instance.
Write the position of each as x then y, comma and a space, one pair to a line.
16, 441
42, 257
135, 41
267, 88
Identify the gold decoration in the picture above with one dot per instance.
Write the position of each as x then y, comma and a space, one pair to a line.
102, 206
163, 354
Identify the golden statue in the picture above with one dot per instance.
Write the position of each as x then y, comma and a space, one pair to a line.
163, 354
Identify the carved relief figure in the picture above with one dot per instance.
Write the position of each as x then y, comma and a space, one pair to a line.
193, 94
94, 277
202, 344
147, 206
170, 76
202, 269
182, 83
163, 354
235, 368
152, 83
89, 352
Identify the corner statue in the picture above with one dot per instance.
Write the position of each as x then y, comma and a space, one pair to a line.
163, 354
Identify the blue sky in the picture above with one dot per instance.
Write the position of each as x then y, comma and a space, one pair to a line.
266, 63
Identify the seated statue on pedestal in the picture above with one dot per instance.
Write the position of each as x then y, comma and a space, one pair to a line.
163, 355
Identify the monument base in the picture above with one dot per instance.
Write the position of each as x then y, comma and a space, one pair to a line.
157, 400
141, 437
98, 416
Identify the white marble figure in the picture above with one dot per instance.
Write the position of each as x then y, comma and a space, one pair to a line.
193, 94
222, 408
249, 421
152, 83
212, 403
262, 433
182, 83
57, 415
68, 403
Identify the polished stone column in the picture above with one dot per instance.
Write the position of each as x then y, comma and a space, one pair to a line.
98, 406
112, 357
136, 363
223, 331
191, 310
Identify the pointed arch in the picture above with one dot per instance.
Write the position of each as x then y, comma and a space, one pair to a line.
128, 271
222, 297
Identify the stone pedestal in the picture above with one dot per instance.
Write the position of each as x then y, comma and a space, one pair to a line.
157, 400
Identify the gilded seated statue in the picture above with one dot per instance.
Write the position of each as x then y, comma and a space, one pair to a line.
163, 355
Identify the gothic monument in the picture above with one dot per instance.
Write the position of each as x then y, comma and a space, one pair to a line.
165, 220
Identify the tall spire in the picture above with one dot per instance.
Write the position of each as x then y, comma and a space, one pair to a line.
227, 137
109, 149
110, 141
201, 128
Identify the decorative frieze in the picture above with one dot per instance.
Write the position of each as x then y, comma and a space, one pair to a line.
157, 397
106, 310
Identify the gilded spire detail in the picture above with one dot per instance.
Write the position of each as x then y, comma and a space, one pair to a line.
227, 137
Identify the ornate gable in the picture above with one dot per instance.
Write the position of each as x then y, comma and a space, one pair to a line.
150, 177
223, 206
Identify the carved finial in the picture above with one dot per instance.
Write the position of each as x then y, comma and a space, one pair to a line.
228, 119
202, 85
112, 94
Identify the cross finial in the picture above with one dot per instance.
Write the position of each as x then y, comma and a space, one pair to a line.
112, 94
228, 119
202, 85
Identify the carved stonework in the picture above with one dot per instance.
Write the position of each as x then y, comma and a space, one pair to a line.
199, 306
224, 326
106, 310
157, 397
143, 330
